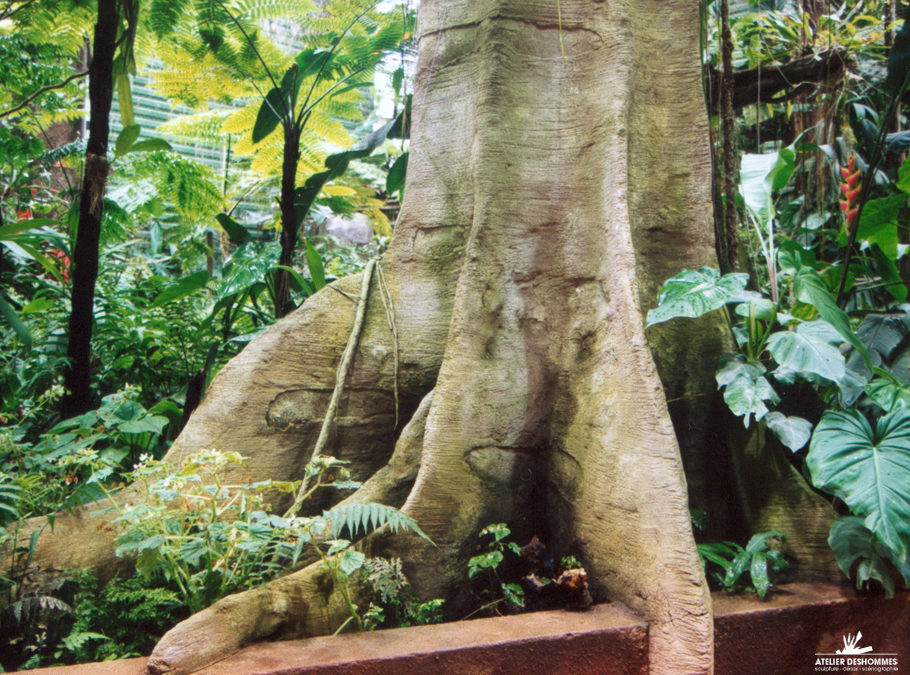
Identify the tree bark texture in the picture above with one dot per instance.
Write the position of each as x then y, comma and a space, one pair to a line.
559, 173
91, 206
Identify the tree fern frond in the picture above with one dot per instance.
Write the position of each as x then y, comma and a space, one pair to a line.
211, 20
164, 15
256, 10
369, 517
203, 127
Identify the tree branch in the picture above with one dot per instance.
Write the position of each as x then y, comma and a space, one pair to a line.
43, 90
763, 83
9, 10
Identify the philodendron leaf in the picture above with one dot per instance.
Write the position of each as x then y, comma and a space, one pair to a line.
761, 308
888, 394
793, 432
883, 332
804, 353
694, 293
868, 469
745, 388
857, 548
761, 176
810, 288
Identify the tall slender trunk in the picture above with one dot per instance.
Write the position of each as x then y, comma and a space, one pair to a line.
731, 222
91, 207
289, 225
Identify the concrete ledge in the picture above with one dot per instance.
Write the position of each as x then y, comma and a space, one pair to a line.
781, 635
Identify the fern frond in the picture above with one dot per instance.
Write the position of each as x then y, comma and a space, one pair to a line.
256, 10
369, 517
10, 495
164, 15
203, 127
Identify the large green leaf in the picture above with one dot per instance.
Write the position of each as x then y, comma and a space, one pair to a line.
868, 469
314, 264
236, 232
794, 432
878, 224
761, 176
804, 353
857, 548
19, 328
882, 333
746, 388
273, 108
182, 288
810, 288
887, 269
888, 394
694, 293
397, 173
126, 138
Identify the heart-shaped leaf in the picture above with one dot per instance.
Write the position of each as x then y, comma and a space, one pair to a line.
868, 469
746, 388
802, 352
794, 432
856, 545
694, 293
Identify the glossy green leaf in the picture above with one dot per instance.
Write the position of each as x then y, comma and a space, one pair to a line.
762, 309
126, 138
858, 551
19, 328
151, 145
236, 232
802, 352
693, 293
125, 98
299, 284
758, 570
867, 469
182, 288
761, 176
891, 276
397, 173
882, 333
314, 264
888, 394
745, 388
794, 432
350, 561
808, 287
878, 223
273, 108
401, 125
903, 175
791, 257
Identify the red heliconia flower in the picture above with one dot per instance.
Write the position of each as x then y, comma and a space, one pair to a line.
850, 188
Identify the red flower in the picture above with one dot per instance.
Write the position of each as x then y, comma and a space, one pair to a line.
850, 188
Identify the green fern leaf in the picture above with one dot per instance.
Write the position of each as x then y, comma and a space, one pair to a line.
369, 517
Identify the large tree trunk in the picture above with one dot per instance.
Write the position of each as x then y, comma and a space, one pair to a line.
559, 173
554, 216
91, 206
